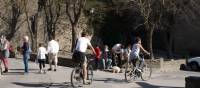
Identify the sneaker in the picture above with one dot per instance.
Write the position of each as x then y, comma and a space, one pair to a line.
40, 71
26, 73
139, 70
5, 71
44, 71
49, 69
85, 82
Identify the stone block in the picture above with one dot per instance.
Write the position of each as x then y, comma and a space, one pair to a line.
192, 82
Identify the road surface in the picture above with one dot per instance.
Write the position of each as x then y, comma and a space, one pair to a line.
16, 78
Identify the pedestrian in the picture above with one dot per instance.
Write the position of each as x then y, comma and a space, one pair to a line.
41, 58
107, 58
5, 52
98, 56
26, 50
116, 51
53, 49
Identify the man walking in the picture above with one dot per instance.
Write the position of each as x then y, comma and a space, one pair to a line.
52, 49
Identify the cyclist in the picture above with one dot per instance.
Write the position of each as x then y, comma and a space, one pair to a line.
134, 56
79, 54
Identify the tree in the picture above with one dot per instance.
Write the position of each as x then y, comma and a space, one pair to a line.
32, 25
73, 10
52, 10
10, 15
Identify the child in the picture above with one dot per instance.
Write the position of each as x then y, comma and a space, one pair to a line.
134, 55
41, 57
98, 55
107, 57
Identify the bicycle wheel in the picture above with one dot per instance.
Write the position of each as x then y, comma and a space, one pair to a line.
1, 71
90, 74
146, 72
129, 75
76, 77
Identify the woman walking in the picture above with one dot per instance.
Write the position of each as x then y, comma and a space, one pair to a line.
5, 52
26, 53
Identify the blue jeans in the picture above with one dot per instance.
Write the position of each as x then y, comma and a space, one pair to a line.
25, 59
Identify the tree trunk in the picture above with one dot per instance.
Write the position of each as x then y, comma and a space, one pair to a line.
169, 44
74, 37
150, 42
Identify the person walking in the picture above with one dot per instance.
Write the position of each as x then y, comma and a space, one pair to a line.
41, 58
26, 50
53, 49
5, 52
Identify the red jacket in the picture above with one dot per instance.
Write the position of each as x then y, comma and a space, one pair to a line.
98, 52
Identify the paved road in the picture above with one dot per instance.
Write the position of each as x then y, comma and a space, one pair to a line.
61, 79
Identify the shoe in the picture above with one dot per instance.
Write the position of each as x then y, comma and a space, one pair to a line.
40, 72
44, 71
139, 70
54, 69
85, 82
49, 69
5, 71
26, 73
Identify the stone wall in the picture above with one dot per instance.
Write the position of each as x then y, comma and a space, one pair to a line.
165, 66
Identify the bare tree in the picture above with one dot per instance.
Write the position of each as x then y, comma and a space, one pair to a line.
32, 25
146, 10
10, 15
157, 14
73, 10
52, 11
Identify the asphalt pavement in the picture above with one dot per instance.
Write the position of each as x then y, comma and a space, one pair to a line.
16, 78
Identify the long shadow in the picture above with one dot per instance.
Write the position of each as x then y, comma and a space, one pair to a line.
45, 85
111, 80
17, 71
22, 69
62, 61
14, 73
147, 85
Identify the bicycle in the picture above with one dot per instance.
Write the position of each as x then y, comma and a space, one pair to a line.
77, 74
1, 71
142, 71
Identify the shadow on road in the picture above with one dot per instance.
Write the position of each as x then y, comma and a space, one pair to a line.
22, 69
14, 73
45, 85
17, 71
147, 85
111, 80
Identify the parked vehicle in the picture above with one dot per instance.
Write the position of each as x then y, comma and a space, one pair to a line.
193, 63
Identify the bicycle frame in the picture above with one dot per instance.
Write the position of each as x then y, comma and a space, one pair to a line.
135, 72
79, 68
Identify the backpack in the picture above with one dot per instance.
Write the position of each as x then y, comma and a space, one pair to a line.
29, 49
